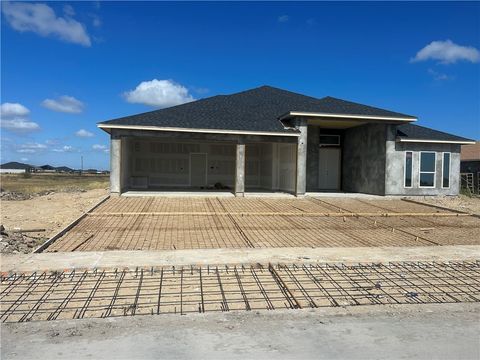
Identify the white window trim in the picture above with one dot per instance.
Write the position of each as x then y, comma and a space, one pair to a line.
449, 168
405, 170
427, 172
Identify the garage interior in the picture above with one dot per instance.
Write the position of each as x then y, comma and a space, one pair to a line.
173, 165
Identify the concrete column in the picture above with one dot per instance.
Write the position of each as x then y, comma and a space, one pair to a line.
115, 165
240, 171
301, 181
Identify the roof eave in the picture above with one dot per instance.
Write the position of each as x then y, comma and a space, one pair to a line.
108, 127
291, 114
433, 141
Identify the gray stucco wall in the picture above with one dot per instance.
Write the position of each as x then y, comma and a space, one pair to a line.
363, 159
395, 167
312, 157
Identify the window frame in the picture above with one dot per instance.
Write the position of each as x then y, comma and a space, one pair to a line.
338, 143
427, 172
405, 171
449, 168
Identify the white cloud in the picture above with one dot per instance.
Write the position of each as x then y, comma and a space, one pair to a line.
439, 76
42, 20
96, 20
65, 103
159, 93
8, 110
31, 148
99, 147
83, 133
102, 148
447, 52
68, 10
65, 148
14, 117
23, 159
283, 18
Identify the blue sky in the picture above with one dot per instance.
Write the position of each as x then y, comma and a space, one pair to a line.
67, 66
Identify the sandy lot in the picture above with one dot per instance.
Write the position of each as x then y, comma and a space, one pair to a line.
52, 212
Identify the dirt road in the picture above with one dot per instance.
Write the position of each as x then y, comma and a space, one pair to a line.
447, 331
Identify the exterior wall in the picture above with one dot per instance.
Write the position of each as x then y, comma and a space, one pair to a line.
363, 159
312, 157
395, 167
12, 171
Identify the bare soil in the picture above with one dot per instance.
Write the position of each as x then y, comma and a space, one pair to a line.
24, 186
51, 212
461, 202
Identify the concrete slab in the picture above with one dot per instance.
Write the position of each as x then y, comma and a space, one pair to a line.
112, 259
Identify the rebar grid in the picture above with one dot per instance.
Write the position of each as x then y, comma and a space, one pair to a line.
188, 289
205, 223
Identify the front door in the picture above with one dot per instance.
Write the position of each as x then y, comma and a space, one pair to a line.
329, 168
198, 169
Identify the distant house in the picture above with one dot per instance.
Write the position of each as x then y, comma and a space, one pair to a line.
276, 140
64, 169
48, 168
14, 167
470, 166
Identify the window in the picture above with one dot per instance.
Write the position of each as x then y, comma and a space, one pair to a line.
329, 140
408, 169
446, 170
427, 169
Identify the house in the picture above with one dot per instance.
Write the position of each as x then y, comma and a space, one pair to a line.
272, 139
14, 167
470, 166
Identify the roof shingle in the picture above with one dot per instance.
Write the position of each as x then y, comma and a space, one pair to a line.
257, 109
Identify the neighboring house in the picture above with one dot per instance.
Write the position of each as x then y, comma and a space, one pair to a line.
14, 167
470, 164
272, 139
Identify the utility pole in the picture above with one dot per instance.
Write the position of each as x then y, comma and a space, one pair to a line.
81, 168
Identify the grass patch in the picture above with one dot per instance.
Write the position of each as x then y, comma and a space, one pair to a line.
37, 183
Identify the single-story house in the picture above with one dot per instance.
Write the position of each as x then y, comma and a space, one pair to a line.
276, 140
14, 167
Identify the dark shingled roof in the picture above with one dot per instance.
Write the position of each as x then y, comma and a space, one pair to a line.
252, 110
411, 131
15, 165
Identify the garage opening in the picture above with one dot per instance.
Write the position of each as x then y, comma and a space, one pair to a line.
181, 165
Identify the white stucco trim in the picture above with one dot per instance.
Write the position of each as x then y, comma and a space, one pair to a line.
346, 116
465, 142
191, 130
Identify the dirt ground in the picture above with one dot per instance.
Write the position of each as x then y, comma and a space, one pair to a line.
26, 186
461, 202
442, 331
51, 212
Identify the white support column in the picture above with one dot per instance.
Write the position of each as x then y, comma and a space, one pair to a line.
240, 170
301, 181
115, 165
